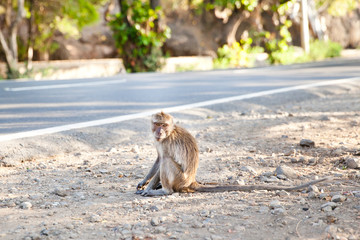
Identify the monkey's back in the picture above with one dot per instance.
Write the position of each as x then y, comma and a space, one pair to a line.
183, 149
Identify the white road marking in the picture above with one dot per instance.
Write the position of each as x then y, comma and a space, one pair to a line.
69, 85
118, 119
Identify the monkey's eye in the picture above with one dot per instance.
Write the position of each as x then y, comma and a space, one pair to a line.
165, 125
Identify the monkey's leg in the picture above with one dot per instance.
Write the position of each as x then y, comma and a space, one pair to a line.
150, 175
153, 184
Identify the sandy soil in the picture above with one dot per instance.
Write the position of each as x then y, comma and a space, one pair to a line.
81, 184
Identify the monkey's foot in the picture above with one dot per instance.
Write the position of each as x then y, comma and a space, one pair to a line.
154, 193
139, 191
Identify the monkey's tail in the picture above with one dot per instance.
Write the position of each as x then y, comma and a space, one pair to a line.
247, 188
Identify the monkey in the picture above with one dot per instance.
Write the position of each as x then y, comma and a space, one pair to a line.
177, 162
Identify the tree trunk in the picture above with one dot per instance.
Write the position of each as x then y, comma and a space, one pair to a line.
10, 48
30, 37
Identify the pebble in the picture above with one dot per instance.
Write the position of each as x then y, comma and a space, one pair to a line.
263, 209
248, 169
307, 143
313, 188
312, 195
135, 149
329, 206
275, 204
155, 221
60, 192
278, 211
338, 198
287, 171
95, 218
353, 163
103, 171
26, 205
331, 230
323, 196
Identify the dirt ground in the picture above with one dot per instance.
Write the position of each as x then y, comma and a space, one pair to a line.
81, 184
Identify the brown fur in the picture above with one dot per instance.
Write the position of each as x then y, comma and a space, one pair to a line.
177, 162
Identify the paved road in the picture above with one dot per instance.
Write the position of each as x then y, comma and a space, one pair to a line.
31, 105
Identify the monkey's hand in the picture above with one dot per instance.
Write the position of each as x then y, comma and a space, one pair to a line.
140, 187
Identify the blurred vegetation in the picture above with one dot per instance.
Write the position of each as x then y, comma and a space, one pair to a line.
138, 36
140, 33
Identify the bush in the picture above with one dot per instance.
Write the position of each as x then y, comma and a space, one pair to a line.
239, 54
138, 38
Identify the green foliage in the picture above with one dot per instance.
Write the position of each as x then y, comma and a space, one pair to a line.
338, 7
138, 38
68, 17
324, 49
239, 54
319, 50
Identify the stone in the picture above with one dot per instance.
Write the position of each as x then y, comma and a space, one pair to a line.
313, 188
353, 163
338, 198
60, 192
248, 169
26, 205
328, 205
94, 218
331, 230
287, 171
307, 143
278, 211
275, 204
135, 149
103, 171
155, 221
312, 195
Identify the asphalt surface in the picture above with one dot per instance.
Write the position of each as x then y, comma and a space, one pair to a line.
32, 105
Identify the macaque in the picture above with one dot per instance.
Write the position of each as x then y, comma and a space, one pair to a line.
178, 158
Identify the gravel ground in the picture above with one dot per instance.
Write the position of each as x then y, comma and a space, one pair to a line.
81, 184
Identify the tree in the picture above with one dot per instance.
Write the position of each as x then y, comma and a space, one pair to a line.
45, 17
138, 35
13, 18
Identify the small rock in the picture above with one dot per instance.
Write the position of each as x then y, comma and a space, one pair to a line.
197, 224
160, 229
282, 193
353, 163
290, 152
248, 169
281, 176
331, 230
135, 149
95, 218
324, 118
328, 205
112, 150
287, 171
155, 221
60, 192
275, 204
323, 196
103, 171
313, 188
338, 198
263, 209
327, 209
278, 211
26, 205
307, 143
312, 195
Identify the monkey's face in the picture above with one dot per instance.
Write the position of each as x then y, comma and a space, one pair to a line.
161, 130
161, 125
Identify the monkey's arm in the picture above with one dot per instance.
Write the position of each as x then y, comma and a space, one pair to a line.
155, 168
